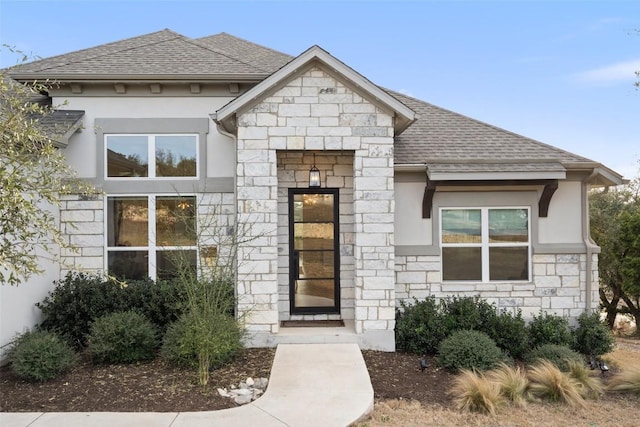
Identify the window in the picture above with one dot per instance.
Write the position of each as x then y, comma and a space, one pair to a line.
148, 235
485, 244
151, 156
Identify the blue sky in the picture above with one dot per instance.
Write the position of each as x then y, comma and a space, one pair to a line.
561, 72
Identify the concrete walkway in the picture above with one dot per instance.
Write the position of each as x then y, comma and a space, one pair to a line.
310, 385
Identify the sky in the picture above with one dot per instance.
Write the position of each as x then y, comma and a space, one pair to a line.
560, 72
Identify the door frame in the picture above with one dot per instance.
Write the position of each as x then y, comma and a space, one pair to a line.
293, 260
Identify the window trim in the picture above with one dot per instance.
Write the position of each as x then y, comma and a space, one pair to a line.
484, 244
151, 154
151, 247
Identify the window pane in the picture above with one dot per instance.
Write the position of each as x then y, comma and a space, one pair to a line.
168, 263
313, 207
316, 264
315, 293
509, 263
508, 225
461, 263
127, 156
313, 236
128, 264
175, 221
176, 155
461, 226
127, 222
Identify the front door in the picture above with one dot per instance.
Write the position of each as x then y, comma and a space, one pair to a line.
314, 261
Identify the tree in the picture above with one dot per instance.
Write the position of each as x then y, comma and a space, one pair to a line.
33, 177
615, 226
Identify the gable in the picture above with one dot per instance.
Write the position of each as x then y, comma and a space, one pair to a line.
316, 57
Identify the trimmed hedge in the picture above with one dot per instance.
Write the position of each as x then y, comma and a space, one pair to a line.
80, 298
123, 337
559, 355
41, 356
468, 349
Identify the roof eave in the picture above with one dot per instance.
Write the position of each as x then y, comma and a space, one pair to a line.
604, 176
138, 78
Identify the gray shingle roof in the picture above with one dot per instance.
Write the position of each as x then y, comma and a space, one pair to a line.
59, 124
441, 138
163, 53
266, 59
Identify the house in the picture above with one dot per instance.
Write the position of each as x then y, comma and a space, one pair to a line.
411, 199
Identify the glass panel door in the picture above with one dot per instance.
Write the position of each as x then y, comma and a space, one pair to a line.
313, 251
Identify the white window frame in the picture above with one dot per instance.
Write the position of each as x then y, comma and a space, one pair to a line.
484, 244
151, 248
151, 155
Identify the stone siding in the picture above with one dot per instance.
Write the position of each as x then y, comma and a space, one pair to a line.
558, 286
82, 224
315, 111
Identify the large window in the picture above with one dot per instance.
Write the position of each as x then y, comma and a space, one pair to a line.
485, 244
147, 236
151, 156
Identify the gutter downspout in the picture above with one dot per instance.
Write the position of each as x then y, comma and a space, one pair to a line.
234, 140
590, 246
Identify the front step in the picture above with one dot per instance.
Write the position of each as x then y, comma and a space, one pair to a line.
316, 335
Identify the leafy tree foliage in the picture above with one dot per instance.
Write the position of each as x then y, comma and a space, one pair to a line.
33, 177
615, 226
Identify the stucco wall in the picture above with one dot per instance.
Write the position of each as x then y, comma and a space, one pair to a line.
82, 147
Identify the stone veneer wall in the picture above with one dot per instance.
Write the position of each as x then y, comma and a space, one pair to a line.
314, 111
558, 286
336, 171
82, 224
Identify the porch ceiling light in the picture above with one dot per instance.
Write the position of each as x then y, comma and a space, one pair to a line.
314, 174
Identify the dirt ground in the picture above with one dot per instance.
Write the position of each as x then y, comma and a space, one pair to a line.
155, 386
404, 394
612, 410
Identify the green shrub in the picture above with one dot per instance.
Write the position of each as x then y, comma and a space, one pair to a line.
419, 327
75, 302
81, 298
473, 350
549, 329
510, 333
466, 313
179, 345
559, 355
187, 338
592, 337
123, 337
41, 356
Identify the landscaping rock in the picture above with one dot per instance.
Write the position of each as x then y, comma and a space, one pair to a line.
245, 391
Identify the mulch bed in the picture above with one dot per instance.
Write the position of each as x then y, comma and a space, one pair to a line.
157, 387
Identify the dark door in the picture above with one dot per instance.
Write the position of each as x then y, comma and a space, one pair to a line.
314, 262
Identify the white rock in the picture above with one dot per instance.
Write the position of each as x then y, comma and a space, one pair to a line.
243, 392
250, 382
241, 400
223, 392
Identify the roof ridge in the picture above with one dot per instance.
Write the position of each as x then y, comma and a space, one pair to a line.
250, 42
100, 46
480, 122
209, 48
